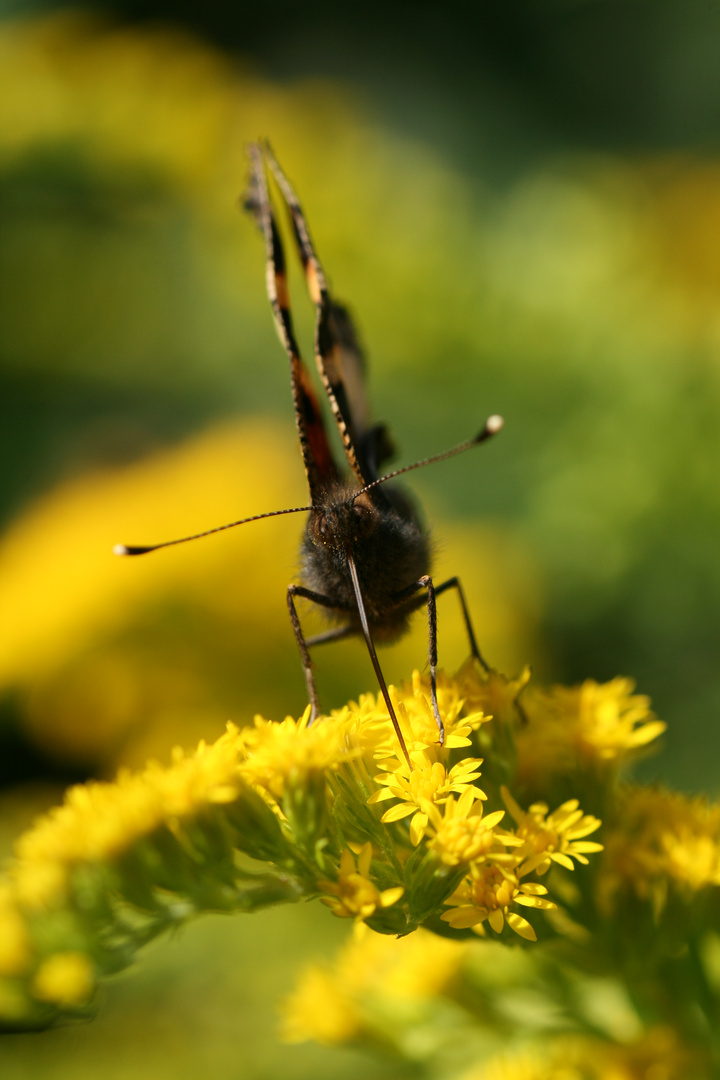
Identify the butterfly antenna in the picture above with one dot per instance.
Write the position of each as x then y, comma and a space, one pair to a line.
493, 424
127, 549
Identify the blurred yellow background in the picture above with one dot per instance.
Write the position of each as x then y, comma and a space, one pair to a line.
534, 234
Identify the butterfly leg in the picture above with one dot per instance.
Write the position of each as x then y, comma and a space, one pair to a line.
303, 645
426, 583
433, 592
454, 583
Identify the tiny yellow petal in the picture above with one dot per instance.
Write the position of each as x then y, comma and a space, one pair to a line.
391, 896
536, 902
381, 795
463, 917
395, 813
563, 860
418, 825
490, 820
496, 920
533, 889
364, 859
521, 926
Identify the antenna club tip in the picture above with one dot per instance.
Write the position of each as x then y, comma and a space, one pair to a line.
492, 426
124, 549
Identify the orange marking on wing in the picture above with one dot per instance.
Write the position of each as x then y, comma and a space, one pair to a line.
323, 463
282, 292
321, 451
313, 283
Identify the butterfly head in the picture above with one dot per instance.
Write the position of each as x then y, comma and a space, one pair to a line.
342, 522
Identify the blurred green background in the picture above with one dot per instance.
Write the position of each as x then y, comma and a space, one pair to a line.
521, 203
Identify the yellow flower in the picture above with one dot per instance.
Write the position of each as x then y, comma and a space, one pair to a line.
591, 723
40, 881
663, 839
427, 782
461, 834
320, 1009
372, 974
493, 693
691, 859
459, 720
353, 895
368, 723
99, 821
488, 893
416, 967
65, 979
289, 751
548, 838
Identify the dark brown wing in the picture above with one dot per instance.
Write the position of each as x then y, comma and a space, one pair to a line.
338, 356
372, 444
320, 466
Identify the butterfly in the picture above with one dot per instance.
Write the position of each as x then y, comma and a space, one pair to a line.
365, 554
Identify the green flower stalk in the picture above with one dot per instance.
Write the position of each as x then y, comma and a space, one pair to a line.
280, 812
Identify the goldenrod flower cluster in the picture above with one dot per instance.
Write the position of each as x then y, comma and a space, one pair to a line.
591, 729
375, 989
625, 982
330, 810
428, 999
663, 855
474, 838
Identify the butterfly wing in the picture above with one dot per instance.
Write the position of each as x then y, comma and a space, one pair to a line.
338, 355
372, 443
320, 466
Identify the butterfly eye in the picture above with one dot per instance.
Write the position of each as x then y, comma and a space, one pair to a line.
322, 529
363, 518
